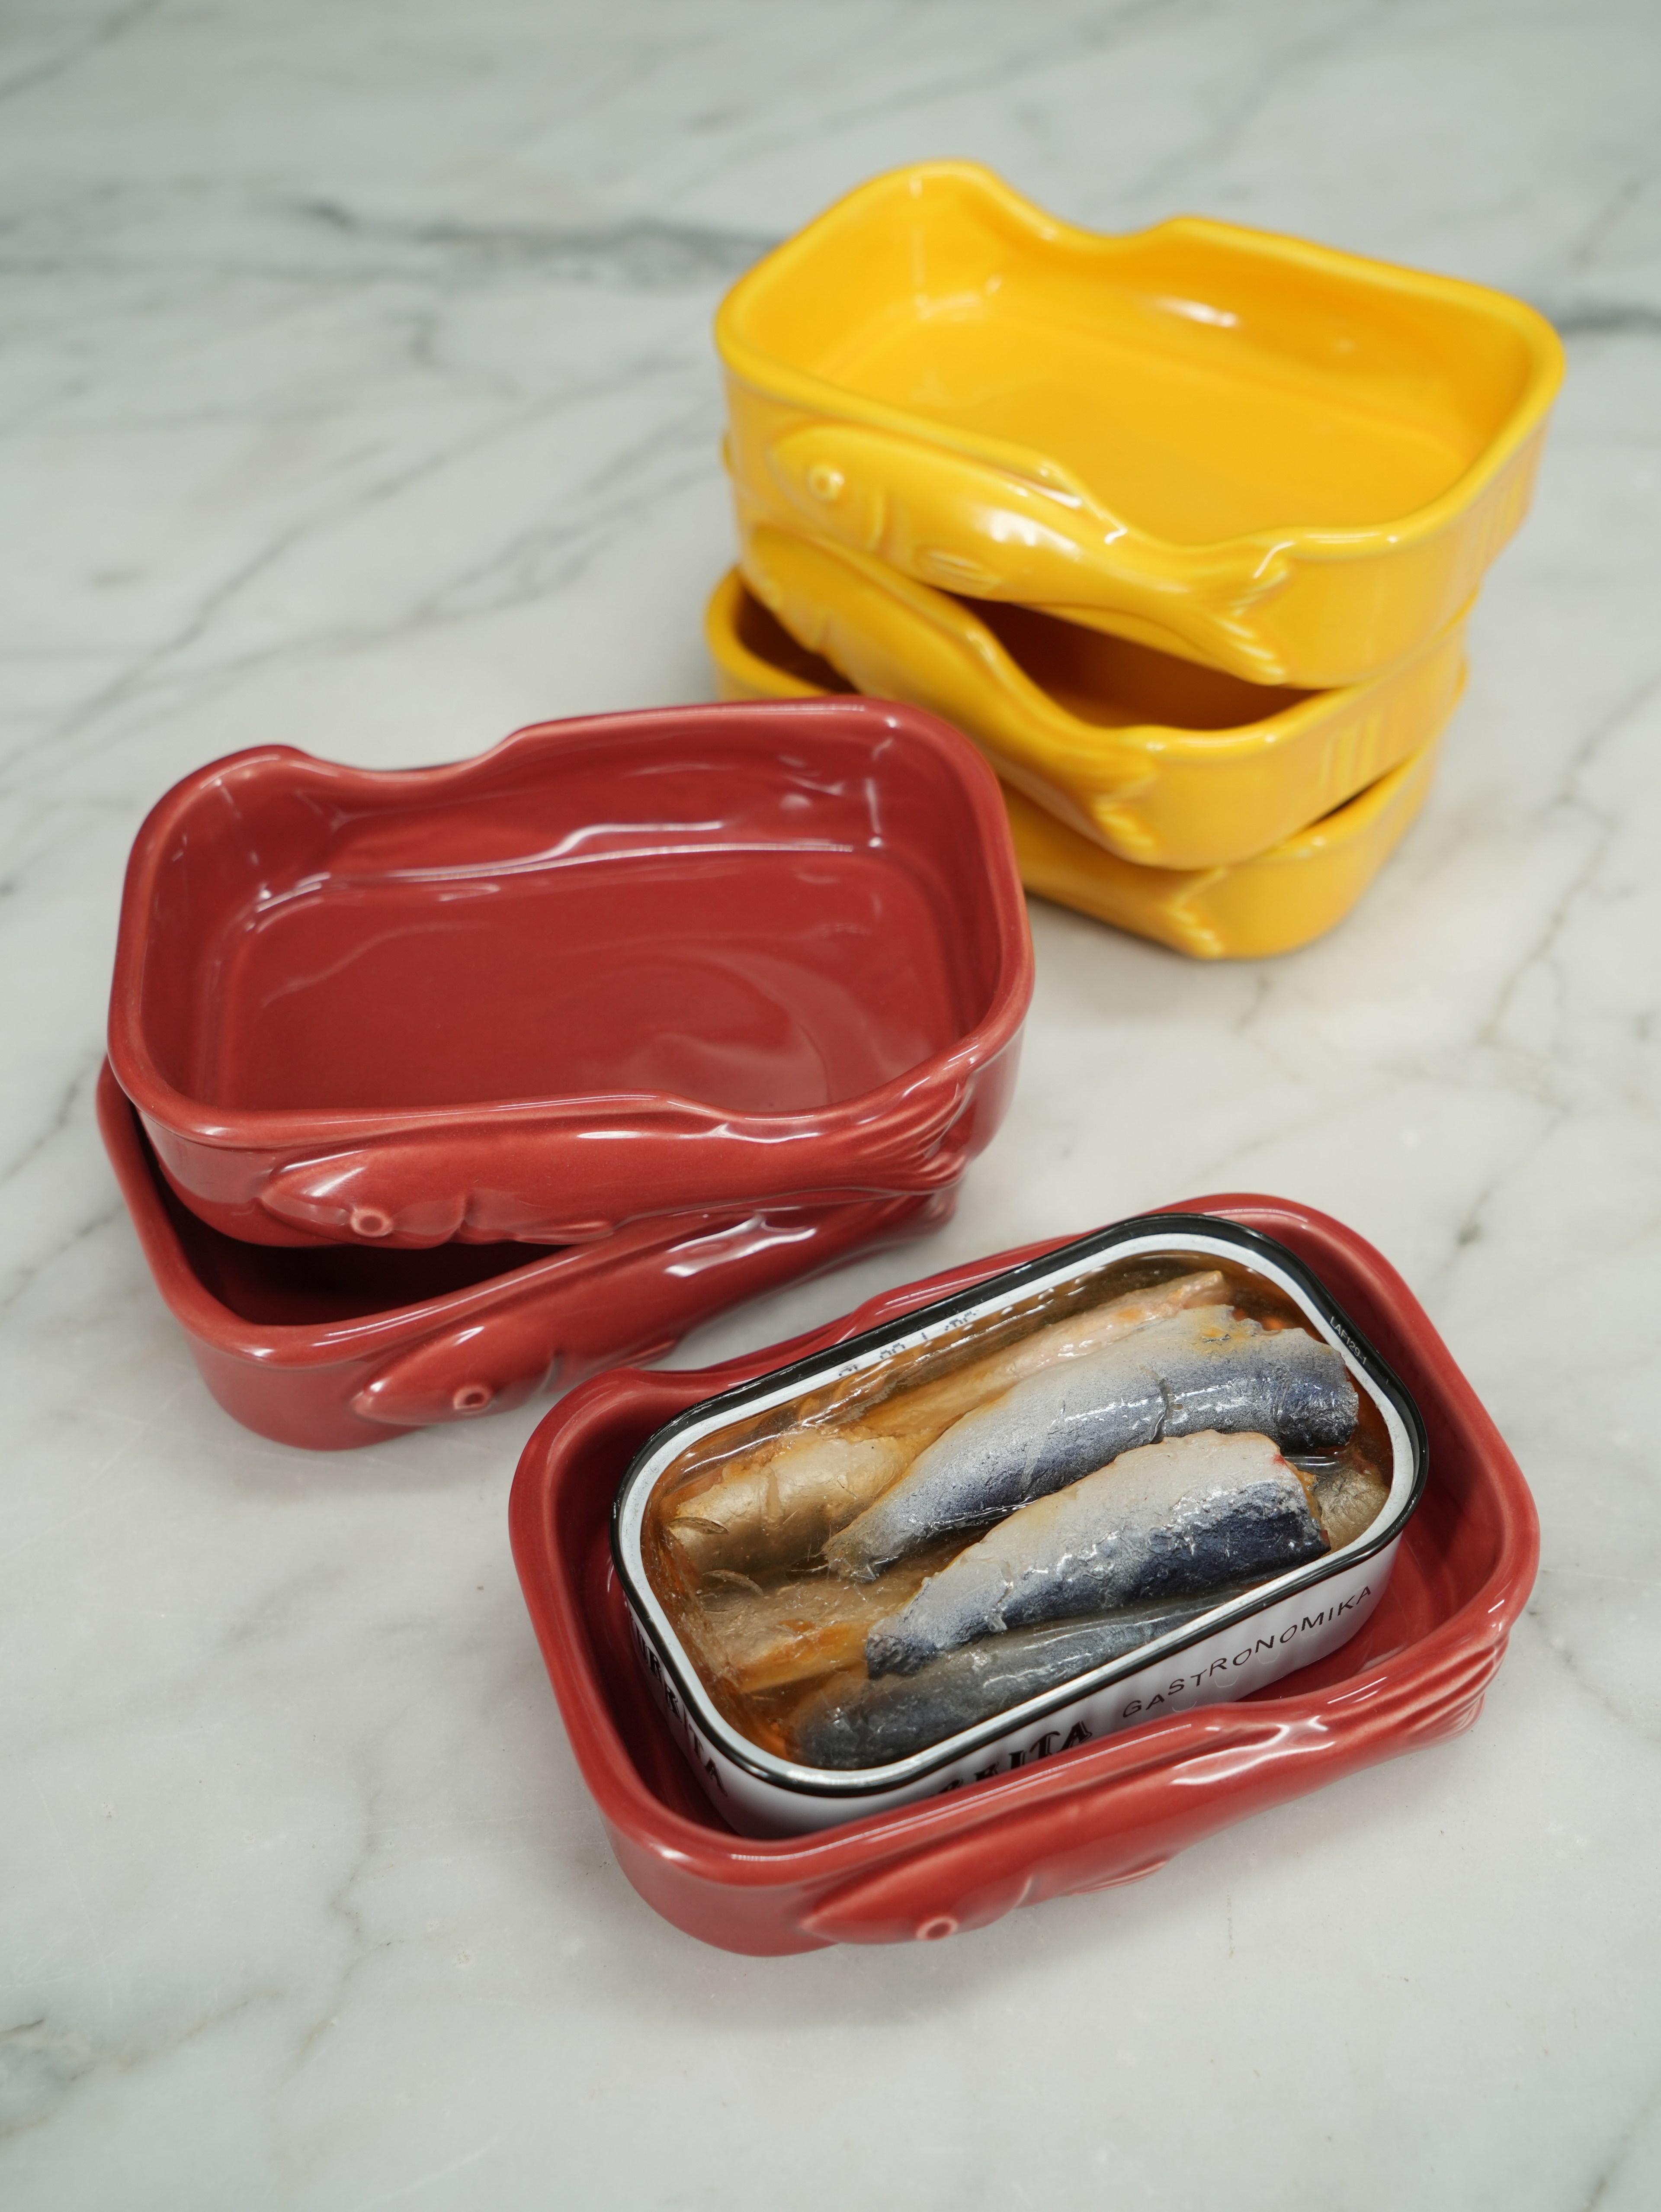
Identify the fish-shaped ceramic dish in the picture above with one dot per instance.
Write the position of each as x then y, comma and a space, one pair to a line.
704, 957
335, 1346
1105, 1811
1162, 762
1245, 1577
1273, 903
1285, 461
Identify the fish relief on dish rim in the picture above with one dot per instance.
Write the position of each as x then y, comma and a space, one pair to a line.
1249, 1640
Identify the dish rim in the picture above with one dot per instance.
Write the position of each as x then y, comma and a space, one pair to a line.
1079, 743
1174, 906
288, 1346
267, 1129
775, 378
1152, 1232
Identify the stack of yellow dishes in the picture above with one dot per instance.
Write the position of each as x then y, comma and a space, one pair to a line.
1182, 528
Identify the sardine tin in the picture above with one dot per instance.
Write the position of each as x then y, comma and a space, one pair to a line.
1242, 1646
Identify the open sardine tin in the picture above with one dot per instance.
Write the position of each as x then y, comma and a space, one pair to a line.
725, 1702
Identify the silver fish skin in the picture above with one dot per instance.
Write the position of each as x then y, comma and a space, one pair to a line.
1166, 1520
853, 1723
1201, 1370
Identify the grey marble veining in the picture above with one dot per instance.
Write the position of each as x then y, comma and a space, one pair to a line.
357, 392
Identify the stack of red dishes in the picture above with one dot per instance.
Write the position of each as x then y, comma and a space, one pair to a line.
429, 1090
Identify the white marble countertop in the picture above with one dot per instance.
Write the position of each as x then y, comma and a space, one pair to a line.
358, 394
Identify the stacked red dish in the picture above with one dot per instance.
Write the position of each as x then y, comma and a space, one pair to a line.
428, 1088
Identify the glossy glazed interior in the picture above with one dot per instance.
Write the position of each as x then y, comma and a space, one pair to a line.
754, 927
1203, 383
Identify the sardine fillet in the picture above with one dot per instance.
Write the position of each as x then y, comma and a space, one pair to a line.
1164, 1522
855, 1722
1201, 1369
1347, 1501
755, 1640
782, 1503
924, 1410
775, 1504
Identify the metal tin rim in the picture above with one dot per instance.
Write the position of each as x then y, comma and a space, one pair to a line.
1159, 1230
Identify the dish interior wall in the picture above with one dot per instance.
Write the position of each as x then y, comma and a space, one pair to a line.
754, 928
1200, 389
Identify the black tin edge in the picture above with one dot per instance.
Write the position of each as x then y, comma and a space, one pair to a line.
868, 1782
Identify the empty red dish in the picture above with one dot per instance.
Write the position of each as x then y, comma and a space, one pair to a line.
1104, 1813
705, 956
343, 1344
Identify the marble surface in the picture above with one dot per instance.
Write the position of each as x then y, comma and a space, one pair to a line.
358, 393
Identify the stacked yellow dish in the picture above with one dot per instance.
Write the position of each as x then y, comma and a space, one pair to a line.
1182, 528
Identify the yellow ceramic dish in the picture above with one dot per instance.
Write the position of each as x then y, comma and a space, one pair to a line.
1285, 897
1274, 902
1286, 461
1162, 762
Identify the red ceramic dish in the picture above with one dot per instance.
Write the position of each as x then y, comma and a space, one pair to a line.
706, 956
1102, 1813
340, 1346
